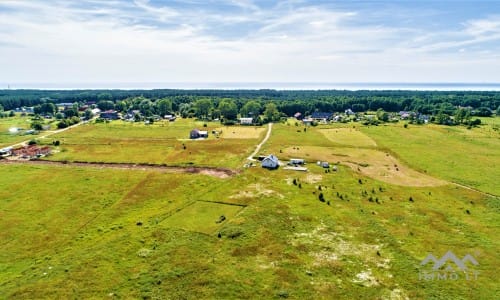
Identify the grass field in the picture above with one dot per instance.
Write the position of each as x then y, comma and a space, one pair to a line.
468, 157
7, 138
76, 232
160, 143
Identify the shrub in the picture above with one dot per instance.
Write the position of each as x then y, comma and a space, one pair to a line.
32, 142
321, 197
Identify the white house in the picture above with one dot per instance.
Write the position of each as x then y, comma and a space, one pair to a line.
270, 162
246, 121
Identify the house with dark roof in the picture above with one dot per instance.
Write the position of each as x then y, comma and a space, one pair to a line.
322, 116
198, 134
110, 115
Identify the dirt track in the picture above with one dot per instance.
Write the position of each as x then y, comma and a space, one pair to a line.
211, 171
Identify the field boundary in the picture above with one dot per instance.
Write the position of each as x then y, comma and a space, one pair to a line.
213, 171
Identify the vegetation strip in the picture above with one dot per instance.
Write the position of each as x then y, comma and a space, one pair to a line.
213, 171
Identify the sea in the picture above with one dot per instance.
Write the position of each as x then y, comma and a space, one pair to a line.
352, 86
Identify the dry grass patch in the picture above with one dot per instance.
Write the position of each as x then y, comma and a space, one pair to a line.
370, 162
348, 137
241, 132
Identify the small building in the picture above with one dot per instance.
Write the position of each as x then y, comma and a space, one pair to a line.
322, 116
110, 115
169, 118
198, 134
349, 112
246, 121
270, 162
298, 116
297, 161
307, 121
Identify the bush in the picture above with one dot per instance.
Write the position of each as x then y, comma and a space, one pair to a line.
32, 142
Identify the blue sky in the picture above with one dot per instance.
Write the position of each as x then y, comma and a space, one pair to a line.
89, 41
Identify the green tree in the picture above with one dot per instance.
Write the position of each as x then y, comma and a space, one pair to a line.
228, 109
121, 106
250, 109
164, 106
271, 112
70, 112
382, 115
12, 113
37, 125
1, 107
459, 116
88, 114
146, 107
105, 105
202, 107
442, 118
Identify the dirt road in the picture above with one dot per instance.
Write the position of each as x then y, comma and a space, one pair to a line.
257, 149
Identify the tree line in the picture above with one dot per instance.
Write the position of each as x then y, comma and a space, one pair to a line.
229, 103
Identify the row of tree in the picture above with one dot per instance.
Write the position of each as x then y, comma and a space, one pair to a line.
287, 102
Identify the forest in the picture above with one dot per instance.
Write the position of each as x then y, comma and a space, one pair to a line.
207, 102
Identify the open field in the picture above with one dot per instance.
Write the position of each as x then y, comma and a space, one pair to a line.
348, 137
469, 157
160, 143
78, 231
202, 216
7, 138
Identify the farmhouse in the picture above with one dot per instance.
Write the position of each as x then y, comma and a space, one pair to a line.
246, 121
270, 162
197, 134
110, 115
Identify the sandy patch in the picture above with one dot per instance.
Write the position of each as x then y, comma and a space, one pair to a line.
370, 162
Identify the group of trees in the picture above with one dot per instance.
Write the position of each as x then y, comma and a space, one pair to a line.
270, 104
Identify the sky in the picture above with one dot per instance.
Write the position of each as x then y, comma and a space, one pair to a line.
84, 42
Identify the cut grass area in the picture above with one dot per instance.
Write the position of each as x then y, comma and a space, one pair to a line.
469, 157
202, 216
243, 132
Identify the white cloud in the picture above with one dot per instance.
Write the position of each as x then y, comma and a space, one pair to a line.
138, 41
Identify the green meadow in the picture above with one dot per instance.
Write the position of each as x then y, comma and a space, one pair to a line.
83, 232
465, 156
8, 138
160, 143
